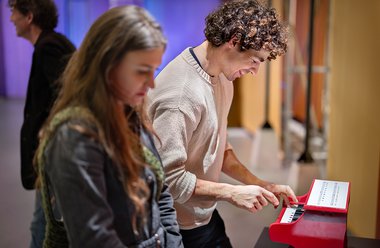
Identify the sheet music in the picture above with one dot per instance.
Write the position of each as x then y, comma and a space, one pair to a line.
332, 194
288, 215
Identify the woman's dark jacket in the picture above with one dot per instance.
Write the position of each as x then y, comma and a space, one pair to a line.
86, 185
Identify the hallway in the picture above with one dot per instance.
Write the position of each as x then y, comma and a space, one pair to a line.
16, 203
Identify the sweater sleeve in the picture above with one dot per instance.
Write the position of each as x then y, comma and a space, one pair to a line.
175, 128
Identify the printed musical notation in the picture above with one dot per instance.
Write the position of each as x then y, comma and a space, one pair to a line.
332, 194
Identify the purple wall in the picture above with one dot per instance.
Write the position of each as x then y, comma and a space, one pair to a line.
17, 56
182, 21
2, 70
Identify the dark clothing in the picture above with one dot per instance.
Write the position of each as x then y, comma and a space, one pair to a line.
88, 188
212, 235
51, 53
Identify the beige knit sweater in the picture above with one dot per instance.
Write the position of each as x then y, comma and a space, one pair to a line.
189, 114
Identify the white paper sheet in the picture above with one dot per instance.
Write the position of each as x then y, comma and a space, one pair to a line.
332, 194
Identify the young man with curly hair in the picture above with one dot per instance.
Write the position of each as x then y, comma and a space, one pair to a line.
35, 21
189, 108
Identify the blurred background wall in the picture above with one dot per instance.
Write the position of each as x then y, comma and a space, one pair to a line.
182, 21
354, 136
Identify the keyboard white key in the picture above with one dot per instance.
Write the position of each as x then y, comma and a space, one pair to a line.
288, 215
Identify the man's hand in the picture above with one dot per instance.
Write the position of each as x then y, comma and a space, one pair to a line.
251, 197
282, 190
235, 169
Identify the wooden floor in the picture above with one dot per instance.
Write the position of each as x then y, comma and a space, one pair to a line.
260, 153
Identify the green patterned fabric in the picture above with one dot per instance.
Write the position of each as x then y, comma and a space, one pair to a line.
156, 166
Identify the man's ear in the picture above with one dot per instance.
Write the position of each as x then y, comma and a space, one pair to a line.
233, 42
29, 17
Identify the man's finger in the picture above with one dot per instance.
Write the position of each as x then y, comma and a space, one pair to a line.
291, 194
262, 200
270, 197
286, 199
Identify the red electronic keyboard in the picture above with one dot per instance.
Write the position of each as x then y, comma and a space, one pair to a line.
318, 219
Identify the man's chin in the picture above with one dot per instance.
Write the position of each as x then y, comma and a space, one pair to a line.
19, 34
237, 77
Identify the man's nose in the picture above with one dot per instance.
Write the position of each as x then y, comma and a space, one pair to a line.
254, 69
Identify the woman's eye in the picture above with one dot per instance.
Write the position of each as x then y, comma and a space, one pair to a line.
141, 72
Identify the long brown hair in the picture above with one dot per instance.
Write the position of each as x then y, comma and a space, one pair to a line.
85, 84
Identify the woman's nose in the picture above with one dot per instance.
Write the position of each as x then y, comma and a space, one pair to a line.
150, 81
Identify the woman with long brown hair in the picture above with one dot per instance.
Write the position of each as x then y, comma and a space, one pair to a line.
100, 174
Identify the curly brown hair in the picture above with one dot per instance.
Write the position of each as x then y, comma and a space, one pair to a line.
251, 23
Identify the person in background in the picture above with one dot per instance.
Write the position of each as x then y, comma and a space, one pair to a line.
100, 175
35, 21
189, 108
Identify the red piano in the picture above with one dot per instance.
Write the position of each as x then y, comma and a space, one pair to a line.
318, 219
